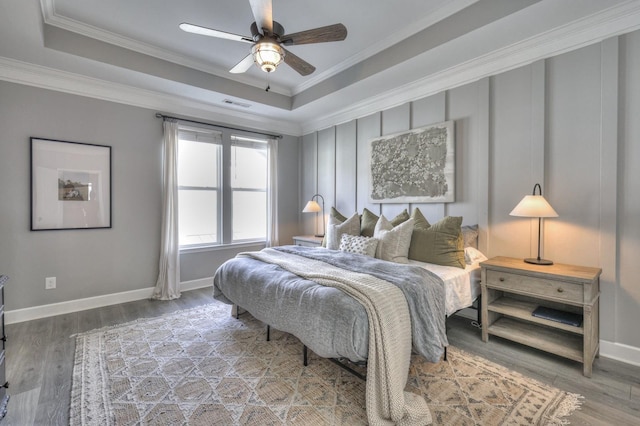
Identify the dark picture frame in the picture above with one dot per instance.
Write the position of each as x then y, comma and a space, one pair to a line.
70, 185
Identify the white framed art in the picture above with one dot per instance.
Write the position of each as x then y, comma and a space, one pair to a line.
70, 185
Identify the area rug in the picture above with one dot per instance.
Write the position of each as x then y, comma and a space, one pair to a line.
204, 367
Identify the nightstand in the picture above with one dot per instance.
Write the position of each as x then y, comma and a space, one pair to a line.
307, 240
513, 289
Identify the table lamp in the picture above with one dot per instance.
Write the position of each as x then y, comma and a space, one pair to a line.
535, 206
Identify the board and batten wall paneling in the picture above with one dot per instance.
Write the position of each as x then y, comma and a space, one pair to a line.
427, 111
367, 128
626, 310
609, 183
346, 168
308, 182
511, 174
567, 122
464, 104
395, 120
572, 156
327, 170
481, 156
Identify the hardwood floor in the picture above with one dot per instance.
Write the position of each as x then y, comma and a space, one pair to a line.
40, 356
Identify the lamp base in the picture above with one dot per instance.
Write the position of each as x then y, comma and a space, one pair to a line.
538, 261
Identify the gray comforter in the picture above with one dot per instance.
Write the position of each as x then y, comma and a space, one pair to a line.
328, 321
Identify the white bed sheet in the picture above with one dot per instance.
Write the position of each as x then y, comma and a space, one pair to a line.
462, 286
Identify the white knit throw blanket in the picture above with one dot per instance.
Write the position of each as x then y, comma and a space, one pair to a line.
389, 336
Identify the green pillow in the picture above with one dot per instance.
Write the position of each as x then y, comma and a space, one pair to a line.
402, 217
368, 223
419, 221
335, 213
441, 243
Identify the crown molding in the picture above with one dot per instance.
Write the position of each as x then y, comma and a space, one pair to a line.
611, 22
62, 81
50, 17
592, 29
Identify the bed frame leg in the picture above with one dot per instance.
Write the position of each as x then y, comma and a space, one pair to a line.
304, 355
268, 332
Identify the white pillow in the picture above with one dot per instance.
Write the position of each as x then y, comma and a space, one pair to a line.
358, 244
335, 229
473, 255
393, 244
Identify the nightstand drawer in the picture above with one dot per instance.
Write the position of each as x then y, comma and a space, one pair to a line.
533, 286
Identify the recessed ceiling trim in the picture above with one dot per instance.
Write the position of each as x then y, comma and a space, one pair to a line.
51, 18
444, 11
20, 72
612, 22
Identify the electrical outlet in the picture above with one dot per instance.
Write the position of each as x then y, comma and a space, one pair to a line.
49, 283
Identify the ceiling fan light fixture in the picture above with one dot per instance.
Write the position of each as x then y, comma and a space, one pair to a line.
267, 55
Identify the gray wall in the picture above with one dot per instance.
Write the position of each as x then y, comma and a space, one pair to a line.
97, 262
569, 123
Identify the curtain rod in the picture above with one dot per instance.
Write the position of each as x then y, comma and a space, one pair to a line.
158, 115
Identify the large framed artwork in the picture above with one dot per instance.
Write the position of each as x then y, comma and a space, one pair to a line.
70, 185
417, 166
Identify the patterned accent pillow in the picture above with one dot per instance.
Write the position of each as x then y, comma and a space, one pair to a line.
335, 230
394, 241
470, 235
358, 245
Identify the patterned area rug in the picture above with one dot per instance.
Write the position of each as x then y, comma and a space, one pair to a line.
203, 367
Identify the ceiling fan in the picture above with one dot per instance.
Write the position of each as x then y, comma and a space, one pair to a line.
268, 38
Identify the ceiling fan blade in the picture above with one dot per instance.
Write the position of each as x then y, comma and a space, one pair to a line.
300, 65
262, 13
335, 32
196, 29
243, 65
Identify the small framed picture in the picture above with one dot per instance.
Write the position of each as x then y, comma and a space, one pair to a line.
70, 185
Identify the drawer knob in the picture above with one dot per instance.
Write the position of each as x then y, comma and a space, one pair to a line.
560, 290
501, 279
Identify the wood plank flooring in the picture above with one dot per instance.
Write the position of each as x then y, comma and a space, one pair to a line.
40, 357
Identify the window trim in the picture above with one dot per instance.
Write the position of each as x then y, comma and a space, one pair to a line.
228, 139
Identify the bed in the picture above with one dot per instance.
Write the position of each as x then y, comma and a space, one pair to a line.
331, 323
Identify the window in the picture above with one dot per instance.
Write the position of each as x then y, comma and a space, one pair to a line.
199, 191
249, 188
222, 188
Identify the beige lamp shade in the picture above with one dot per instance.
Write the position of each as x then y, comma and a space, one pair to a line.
533, 206
312, 207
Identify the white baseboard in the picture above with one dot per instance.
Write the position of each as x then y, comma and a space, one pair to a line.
620, 352
44, 311
617, 351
